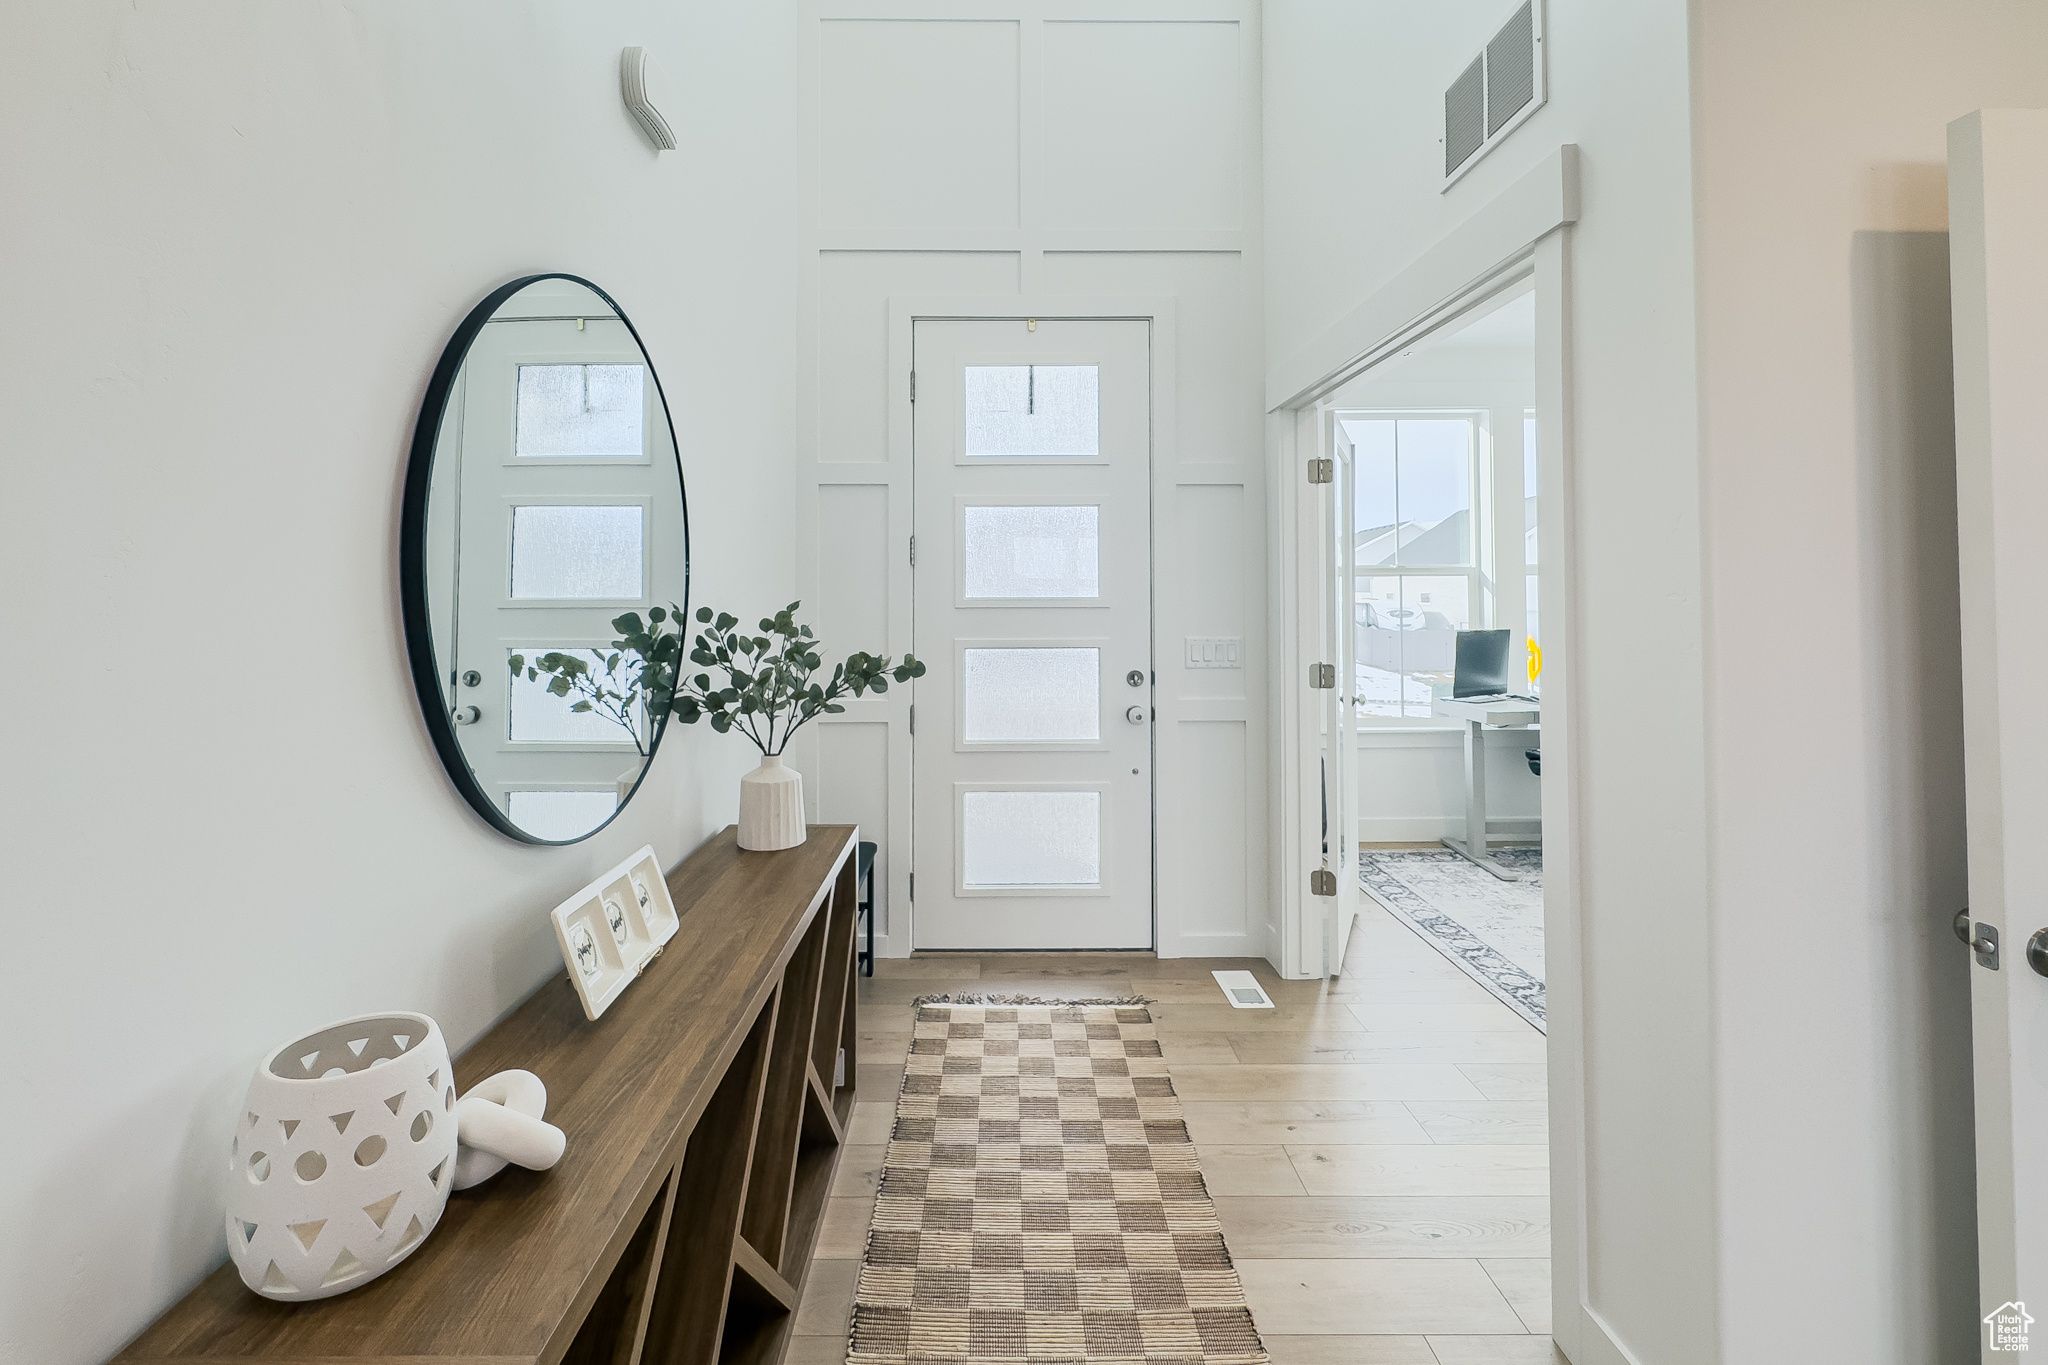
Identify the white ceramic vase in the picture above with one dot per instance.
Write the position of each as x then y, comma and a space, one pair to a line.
342, 1157
771, 806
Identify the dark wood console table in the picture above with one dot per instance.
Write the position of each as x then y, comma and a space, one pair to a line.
704, 1125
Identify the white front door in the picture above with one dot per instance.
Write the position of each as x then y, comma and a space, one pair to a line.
1032, 603
1998, 244
565, 466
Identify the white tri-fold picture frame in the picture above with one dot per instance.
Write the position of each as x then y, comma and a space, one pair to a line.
611, 929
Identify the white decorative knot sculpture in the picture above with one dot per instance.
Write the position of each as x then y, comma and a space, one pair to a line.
498, 1122
342, 1157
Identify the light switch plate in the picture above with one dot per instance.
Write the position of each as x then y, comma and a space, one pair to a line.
1215, 651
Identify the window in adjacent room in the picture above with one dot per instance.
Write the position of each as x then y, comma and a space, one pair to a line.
1416, 552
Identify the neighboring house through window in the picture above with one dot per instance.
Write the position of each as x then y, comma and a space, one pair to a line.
1429, 558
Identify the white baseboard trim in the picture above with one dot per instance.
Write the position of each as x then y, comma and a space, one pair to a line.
1211, 945
1597, 1344
1427, 829
1190, 945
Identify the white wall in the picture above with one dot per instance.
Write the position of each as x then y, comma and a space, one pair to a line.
1354, 105
1828, 451
1020, 152
1411, 785
239, 237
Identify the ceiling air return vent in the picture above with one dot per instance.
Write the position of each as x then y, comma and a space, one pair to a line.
1492, 96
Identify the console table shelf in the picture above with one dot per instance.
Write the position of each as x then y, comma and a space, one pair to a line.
704, 1127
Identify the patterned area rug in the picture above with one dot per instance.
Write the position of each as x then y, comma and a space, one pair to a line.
1040, 1203
1492, 930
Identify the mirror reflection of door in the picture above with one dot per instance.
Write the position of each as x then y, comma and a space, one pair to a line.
1032, 768
554, 469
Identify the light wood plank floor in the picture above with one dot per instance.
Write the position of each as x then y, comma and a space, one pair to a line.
1375, 1145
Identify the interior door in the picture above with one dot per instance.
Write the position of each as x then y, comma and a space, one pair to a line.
1031, 607
1340, 735
565, 461
1998, 244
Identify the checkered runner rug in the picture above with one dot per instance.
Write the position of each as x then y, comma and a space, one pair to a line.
1041, 1204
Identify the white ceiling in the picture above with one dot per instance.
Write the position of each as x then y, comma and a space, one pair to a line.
1512, 326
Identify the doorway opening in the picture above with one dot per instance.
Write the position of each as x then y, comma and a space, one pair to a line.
1434, 549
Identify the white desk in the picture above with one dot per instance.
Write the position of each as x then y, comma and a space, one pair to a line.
1479, 717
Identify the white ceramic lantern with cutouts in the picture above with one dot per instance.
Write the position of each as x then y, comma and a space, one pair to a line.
342, 1157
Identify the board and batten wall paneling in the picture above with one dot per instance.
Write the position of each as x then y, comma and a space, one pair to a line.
850, 385
848, 767
993, 152
1208, 882
852, 769
1132, 138
922, 126
854, 533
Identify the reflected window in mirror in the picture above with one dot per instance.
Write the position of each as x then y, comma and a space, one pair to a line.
579, 552
558, 817
582, 412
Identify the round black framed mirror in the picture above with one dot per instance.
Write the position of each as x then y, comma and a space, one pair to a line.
544, 541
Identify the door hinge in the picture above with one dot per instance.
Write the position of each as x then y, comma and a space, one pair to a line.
1322, 471
1322, 882
913, 886
913, 718
913, 386
913, 552
1322, 675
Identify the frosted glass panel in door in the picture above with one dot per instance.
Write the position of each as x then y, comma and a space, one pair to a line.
539, 716
1032, 696
1033, 410
566, 552
559, 816
1030, 838
586, 412
1031, 552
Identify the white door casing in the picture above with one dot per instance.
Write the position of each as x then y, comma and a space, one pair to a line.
1031, 591
1998, 250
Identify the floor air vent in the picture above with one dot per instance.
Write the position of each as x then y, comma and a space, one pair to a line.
1502, 87
1243, 990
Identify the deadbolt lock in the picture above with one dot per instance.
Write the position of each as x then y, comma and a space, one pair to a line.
1136, 677
472, 678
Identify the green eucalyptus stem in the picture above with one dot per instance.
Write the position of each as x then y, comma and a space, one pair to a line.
768, 692
637, 670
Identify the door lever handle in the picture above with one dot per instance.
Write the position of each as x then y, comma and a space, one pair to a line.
1135, 715
467, 715
2037, 952
1961, 924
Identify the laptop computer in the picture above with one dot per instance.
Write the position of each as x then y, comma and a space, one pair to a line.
1482, 665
